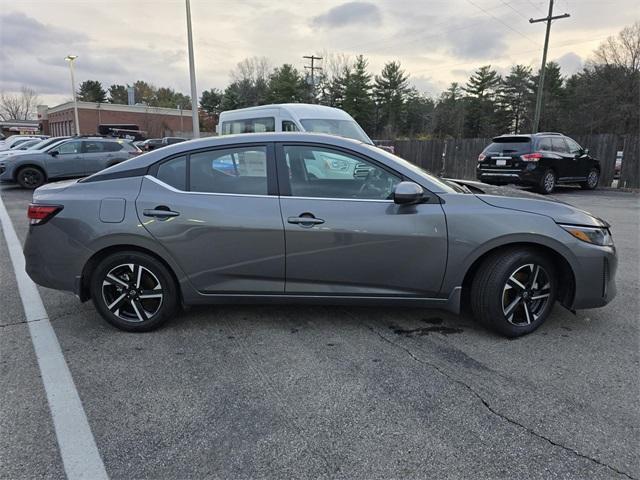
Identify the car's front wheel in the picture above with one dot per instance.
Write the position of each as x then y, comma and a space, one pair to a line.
30, 177
513, 292
134, 291
592, 180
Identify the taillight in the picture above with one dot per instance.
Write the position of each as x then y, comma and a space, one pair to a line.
531, 157
481, 157
39, 214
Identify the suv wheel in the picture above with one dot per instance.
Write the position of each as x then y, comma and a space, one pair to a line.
513, 292
134, 291
30, 177
547, 182
592, 180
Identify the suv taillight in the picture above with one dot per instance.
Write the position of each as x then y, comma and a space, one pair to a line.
531, 157
39, 214
481, 157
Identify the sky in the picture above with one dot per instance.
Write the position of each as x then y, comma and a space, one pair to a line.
437, 42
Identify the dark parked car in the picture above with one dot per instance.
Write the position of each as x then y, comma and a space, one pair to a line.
74, 157
542, 160
282, 218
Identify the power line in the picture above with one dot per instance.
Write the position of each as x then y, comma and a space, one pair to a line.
507, 4
503, 23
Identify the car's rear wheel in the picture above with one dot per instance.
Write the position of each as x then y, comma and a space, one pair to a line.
592, 180
547, 182
30, 177
513, 292
134, 291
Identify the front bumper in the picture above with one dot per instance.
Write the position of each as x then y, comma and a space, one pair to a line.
595, 276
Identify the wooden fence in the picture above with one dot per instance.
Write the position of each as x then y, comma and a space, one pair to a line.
457, 158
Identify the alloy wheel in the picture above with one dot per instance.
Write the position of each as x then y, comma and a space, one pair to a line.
549, 182
526, 294
31, 178
592, 179
132, 292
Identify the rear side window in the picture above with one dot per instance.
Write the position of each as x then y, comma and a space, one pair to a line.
559, 145
174, 173
112, 146
516, 146
241, 170
545, 144
249, 125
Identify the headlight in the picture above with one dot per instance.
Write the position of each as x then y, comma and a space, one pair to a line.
594, 235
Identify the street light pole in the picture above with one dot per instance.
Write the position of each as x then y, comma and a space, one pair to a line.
71, 59
192, 75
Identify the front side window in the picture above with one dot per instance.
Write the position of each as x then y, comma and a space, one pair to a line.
574, 148
241, 170
325, 173
69, 148
559, 145
249, 125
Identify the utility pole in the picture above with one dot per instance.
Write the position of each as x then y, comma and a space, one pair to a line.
192, 74
313, 68
549, 18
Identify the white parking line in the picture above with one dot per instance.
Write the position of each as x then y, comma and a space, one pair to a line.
77, 446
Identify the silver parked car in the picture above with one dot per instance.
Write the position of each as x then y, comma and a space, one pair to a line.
289, 217
74, 157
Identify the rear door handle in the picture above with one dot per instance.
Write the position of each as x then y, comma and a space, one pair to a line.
159, 212
305, 221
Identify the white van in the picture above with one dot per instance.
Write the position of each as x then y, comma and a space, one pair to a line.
291, 117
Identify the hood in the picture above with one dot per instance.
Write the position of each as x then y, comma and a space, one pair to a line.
523, 201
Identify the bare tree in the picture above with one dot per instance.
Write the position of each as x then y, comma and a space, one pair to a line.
254, 69
19, 106
622, 51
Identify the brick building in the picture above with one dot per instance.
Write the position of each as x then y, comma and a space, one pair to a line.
155, 121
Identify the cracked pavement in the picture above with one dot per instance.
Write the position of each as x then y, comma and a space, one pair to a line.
335, 392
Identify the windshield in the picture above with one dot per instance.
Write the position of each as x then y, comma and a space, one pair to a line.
341, 128
419, 170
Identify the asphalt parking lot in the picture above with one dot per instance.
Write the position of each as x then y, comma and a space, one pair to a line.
323, 392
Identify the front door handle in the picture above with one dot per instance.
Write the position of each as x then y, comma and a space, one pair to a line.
305, 220
159, 212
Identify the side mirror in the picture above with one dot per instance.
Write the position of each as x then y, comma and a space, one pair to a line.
585, 151
54, 153
408, 193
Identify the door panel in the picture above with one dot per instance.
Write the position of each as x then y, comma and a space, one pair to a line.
364, 247
224, 243
343, 234
68, 162
568, 164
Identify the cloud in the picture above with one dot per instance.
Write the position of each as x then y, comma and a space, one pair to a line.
20, 32
483, 41
350, 13
570, 63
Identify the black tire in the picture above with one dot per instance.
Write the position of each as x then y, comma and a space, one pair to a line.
30, 177
140, 310
495, 291
593, 177
547, 182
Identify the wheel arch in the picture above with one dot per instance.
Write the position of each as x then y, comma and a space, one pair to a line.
566, 272
84, 291
18, 168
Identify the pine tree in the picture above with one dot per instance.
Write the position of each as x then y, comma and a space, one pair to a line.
91, 91
118, 94
481, 118
517, 89
357, 99
286, 85
552, 98
211, 101
449, 112
390, 90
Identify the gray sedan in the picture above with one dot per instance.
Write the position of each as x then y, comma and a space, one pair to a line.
290, 218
